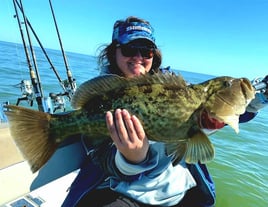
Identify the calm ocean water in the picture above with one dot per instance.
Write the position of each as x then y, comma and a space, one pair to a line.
240, 169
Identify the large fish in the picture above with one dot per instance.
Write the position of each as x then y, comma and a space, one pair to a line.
169, 109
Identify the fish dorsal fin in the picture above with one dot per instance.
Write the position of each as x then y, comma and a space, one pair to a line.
107, 83
94, 87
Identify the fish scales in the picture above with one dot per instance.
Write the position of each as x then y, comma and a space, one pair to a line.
169, 109
160, 108
77, 122
156, 105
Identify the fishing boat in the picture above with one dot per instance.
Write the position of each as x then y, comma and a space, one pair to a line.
19, 186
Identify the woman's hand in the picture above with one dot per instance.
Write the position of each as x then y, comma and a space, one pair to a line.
128, 135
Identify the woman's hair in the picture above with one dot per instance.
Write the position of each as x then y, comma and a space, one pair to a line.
107, 58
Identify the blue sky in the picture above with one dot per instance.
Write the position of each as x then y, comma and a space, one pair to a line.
218, 37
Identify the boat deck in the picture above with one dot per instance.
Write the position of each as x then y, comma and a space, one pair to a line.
18, 182
8, 151
12, 165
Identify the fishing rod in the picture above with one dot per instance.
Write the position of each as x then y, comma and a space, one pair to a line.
44, 51
72, 83
32, 53
34, 79
55, 101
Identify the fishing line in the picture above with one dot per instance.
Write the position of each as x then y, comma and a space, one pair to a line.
35, 79
45, 53
14, 39
71, 81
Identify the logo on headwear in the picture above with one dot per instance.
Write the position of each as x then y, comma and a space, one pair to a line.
129, 28
126, 32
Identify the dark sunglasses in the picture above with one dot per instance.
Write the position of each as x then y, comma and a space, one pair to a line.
132, 50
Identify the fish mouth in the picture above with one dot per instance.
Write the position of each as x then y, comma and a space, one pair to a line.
207, 121
227, 105
247, 90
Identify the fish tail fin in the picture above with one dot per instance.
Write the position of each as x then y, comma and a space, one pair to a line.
30, 131
199, 148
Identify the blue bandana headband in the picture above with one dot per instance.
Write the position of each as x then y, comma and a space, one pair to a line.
126, 32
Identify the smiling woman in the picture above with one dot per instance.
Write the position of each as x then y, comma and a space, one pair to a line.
134, 165
133, 50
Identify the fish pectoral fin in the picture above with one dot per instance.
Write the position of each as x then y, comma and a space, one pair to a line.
177, 150
199, 148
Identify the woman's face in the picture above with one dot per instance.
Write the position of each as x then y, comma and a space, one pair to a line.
135, 64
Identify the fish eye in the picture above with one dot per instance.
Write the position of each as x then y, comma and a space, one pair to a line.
227, 83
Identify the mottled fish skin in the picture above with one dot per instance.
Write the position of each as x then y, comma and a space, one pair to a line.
164, 101
168, 108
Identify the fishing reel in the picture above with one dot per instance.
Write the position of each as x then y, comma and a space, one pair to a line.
69, 87
261, 85
27, 92
54, 102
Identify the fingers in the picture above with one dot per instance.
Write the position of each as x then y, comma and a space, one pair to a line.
120, 126
110, 123
123, 127
113, 125
138, 127
131, 134
128, 135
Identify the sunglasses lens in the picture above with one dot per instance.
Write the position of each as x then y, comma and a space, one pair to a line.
147, 52
128, 51
131, 51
